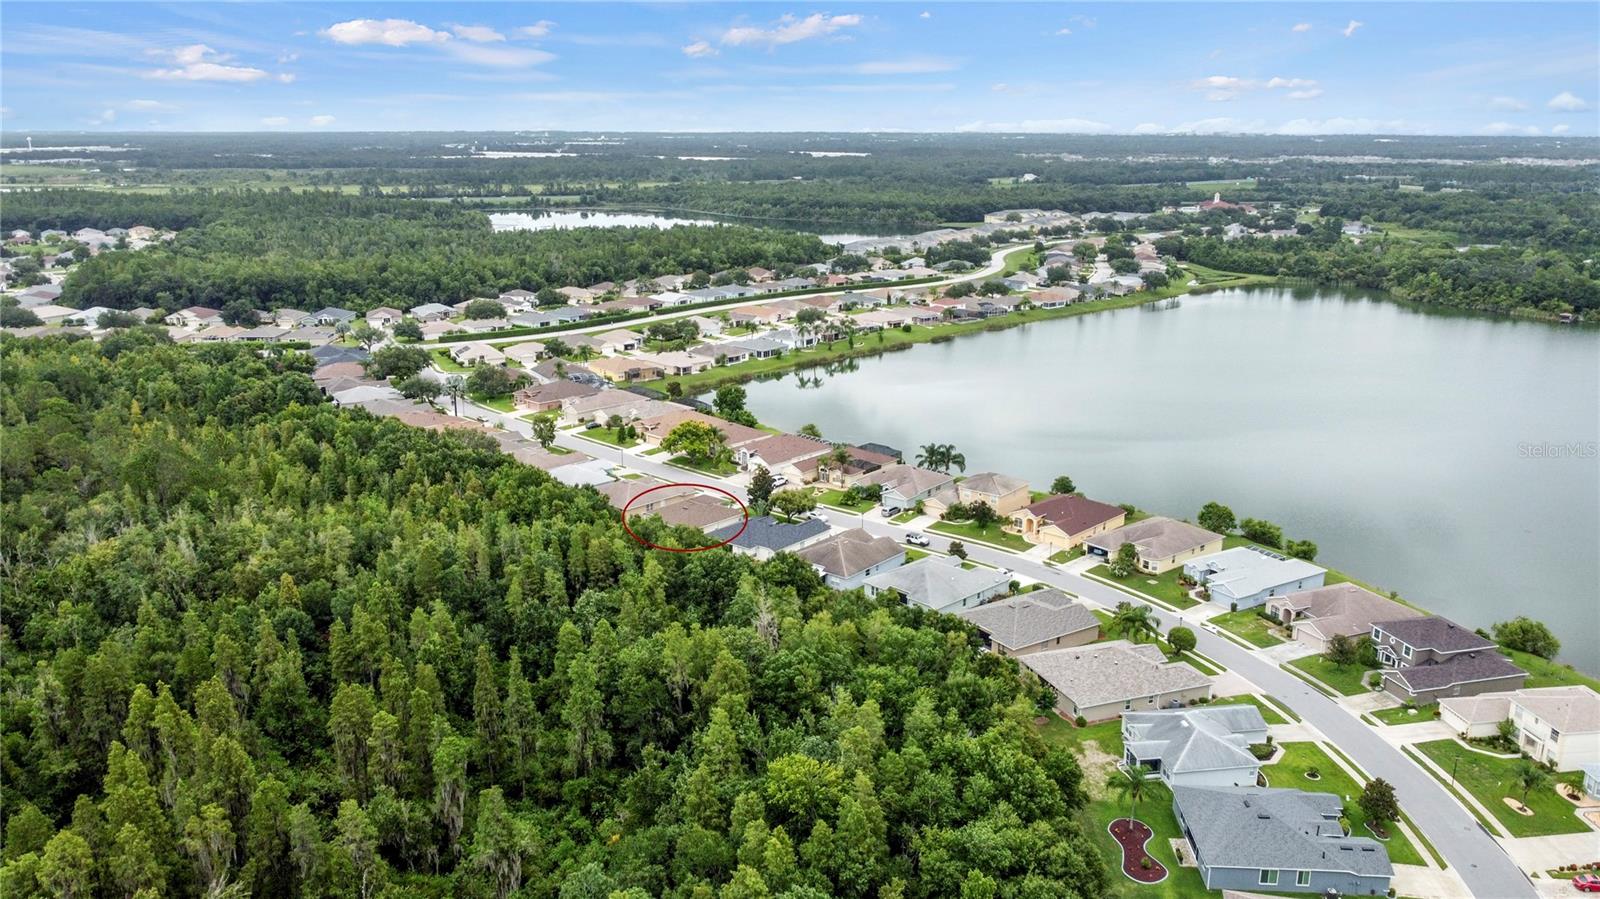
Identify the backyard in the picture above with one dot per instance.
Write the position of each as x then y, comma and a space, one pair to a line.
1344, 678
1248, 625
1163, 587
1289, 772
1490, 780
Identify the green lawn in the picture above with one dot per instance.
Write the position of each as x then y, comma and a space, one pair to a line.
914, 554
966, 530
1066, 555
608, 436
1545, 673
726, 468
1346, 679
442, 359
1248, 625
497, 403
1163, 587
1491, 779
1403, 715
1289, 773
836, 499
905, 516
1270, 713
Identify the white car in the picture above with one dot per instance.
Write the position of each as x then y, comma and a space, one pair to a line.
918, 540
779, 480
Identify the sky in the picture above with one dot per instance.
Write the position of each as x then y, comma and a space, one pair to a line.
1286, 68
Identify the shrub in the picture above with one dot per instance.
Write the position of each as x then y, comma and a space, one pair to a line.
1080, 721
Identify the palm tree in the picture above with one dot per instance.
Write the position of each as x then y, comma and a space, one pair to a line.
1128, 784
455, 387
849, 327
1530, 776
930, 456
1133, 622
837, 459
954, 459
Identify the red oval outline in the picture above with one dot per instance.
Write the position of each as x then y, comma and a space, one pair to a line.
686, 549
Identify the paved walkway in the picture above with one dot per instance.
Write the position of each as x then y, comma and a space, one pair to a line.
1546, 853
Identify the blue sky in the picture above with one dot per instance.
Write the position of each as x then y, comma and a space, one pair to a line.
1462, 68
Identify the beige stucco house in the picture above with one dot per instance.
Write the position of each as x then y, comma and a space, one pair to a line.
1065, 521
1102, 680
1162, 544
1559, 725
1003, 493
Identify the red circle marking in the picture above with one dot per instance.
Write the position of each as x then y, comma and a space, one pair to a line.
743, 509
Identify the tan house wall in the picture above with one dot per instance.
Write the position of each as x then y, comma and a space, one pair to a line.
1066, 641
1054, 536
1110, 710
1159, 566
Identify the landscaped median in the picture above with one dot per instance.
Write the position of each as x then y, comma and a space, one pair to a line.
1492, 780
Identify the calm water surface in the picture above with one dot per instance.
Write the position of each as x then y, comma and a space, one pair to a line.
1451, 458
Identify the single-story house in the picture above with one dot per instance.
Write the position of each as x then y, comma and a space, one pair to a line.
288, 318
709, 327
1204, 746
588, 472
264, 333
847, 559
195, 317
548, 397
525, 354
430, 312
1316, 616
470, 354
675, 362
1003, 493
653, 430
624, 368
1161, 543
763, 537
643, 496
758, 347
328, 355
577, 295
383, 316
776, 450
700, 511
940, 583
438, 328
1431, 658
1558, 725
1100, 681
861, 462
903, 485
601, 406
1278, 840
619, 341
1053, 297
726, 353
1247, 576
332, 316
1066, 520
1033, 622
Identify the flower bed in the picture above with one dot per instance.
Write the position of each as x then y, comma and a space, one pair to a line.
1132, 835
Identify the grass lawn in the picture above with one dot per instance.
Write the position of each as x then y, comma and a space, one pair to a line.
1289, 772
608, 436
1491, 779
722, 470
1066, 555
1270, 713
1164, 587
1248, 625
968, 531
1346, 679
914, 554
442, 359
835, 498
1403, 715
905, 516
497, 403
1545, 673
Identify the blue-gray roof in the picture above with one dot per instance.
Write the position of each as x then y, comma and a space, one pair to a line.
768, 533
1234, 827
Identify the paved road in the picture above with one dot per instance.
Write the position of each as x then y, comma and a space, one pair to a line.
1482, 864
997, 262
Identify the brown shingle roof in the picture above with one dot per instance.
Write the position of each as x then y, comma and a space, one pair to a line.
1074, 514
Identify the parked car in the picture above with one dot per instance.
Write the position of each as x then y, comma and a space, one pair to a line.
591, 425
891, 511
1586, 883
918, 540
779, 480
816, 515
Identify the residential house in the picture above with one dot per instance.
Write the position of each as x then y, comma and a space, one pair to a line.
624, 369
1053, 297
312, 336
847, 559
1066, 520
672, 298
288, 318
653, 430
882, 449
430, 312
707, 513
758, 347
1558, 725
577, 295
329, 355
776, 451
331, 316
264, 334
1279, 841
1020, 281
1205, 746
548, 397
768, 314
619, 341
860, 463
438, 328
589, 472
760, 275
726, 353
601, 406
1431, 658
1003, 493
709, 327
195, 318
643, 496
675, 362
792, 339
1247, 576
524, 354
764, 536
940, 584
1315, 617
1102, 680
1033, 622
470, 354
1161, 544
384, 317
905, 485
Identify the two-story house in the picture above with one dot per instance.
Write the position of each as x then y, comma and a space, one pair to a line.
1431, 658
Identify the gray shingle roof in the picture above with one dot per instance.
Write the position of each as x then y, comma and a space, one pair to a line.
768, 533
1022, 621
1113, 671
851, 552
1236, 827
1199, 739
1156, 538
1468, 667
938, 582
1433, 632
1343, 609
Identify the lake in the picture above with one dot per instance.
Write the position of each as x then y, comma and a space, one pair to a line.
541, 220
1449, 457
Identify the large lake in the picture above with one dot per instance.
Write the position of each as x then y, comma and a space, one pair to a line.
1426, 453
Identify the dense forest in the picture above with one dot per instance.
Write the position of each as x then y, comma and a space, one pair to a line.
254, 645
309, 250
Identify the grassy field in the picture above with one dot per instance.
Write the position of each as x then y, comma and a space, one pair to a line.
964, 530
1545, 673
836, 499
442, 359
1289, 773
1345, 679
1247, 625
1164, 587
497, 403
1490, 780
1270, 713
1403, 715
1223, 186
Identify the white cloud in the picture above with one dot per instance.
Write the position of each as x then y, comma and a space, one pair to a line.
321, 120
1041, 126
1148, 128
1063, 32
699, 49
1220, 88
788, 29
1308, 94
1348, 125
288, 58
925, 15
498, 57
1509, 128
1511, 103
275, 121
106, 117
918, 66
389, 32
1567, 101
538, 29
1350, 30
148, 105
1290, 82
1301, 27
1562, 128
198, 62
481, 34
